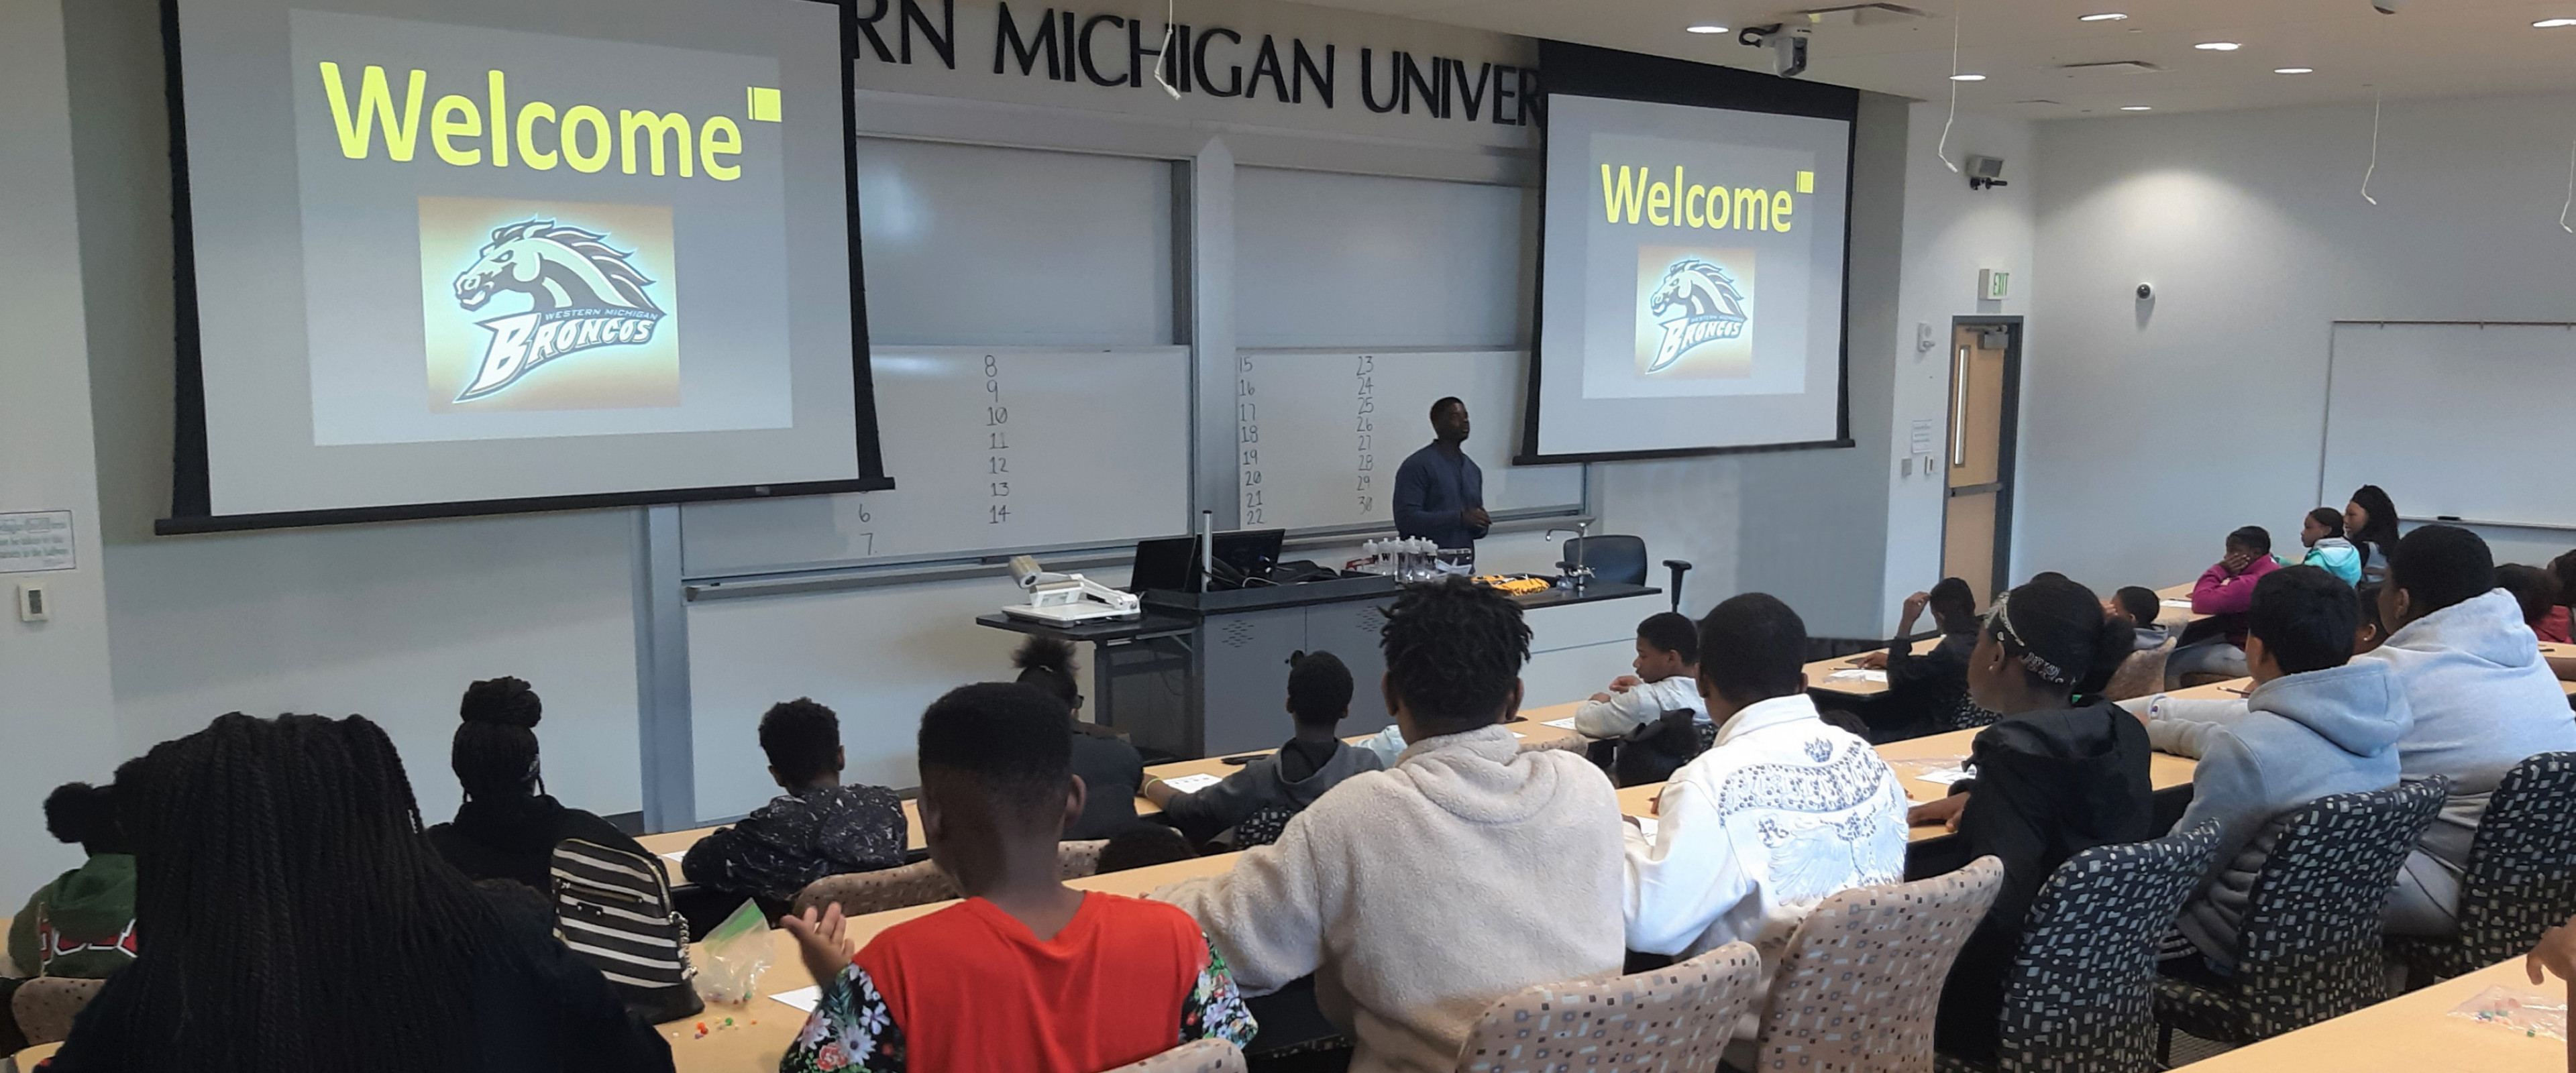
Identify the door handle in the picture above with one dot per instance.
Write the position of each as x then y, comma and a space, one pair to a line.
1959, 407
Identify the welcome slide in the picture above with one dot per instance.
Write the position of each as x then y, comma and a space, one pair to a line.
1693, 278
476, 251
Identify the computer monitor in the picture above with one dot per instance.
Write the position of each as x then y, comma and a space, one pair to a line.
1170, 564
1245, 555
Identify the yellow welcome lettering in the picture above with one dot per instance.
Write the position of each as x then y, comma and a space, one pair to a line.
375, 106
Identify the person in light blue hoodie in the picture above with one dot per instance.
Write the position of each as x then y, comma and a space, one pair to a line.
2484, 700
2317, 723
2327, 548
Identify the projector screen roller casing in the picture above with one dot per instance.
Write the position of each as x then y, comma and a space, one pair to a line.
485, 256
1692, 275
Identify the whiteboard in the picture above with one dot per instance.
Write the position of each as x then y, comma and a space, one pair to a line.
992, 449
1321, 432
2451, 419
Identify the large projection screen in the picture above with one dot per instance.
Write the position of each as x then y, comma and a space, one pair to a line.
1692, 264
491, 255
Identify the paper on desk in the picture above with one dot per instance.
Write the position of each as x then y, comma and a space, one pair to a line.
2530, 1012
1858, 675
675, 858
1645, 825
1943, 776
1190, 784
2184, 605
804, 999
1560, 724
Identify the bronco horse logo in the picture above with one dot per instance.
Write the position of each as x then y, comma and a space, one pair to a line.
582, 293
1704, 304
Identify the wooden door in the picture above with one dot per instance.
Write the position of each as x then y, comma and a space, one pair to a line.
1977, 523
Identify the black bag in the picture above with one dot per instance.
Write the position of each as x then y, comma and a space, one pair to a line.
1660, 748
613, 908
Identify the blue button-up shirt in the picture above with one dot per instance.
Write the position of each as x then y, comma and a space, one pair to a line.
1432, 488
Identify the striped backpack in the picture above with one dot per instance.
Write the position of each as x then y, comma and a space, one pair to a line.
613, 908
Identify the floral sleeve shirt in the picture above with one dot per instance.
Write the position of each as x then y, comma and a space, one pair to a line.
852, 1031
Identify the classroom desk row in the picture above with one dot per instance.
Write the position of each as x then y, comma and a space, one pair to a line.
1537, 725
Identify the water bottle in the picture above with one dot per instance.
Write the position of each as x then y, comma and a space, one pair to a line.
1368, 557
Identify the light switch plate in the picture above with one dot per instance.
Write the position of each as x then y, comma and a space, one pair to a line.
33, 604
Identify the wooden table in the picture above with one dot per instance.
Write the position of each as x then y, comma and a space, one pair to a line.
1915, 757
2178, 617
763, 1028
28, 1058
2231, 689
1533, 729
2411, 1033
1820, 674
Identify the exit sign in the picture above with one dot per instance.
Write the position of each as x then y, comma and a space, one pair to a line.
1994, 284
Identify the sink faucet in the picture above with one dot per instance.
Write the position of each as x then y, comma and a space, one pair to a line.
1579, 574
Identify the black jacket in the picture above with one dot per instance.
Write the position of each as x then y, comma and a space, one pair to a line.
2049, 785
536, 1009
1111, 772
515, 838
798, 838
1288, 777
1923, 691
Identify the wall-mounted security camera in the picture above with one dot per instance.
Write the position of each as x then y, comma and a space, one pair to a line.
2386, 7
2146, 293
1985, 171
1788, 46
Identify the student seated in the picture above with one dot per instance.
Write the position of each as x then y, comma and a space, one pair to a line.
1113, 769
1026, 974
2052, 779
1418, 896
508, 827
2328, 550
2483, 701
819, 827
295, 920
2143, 672
2370, 522
2564, 569
81, 925
1783, 811
1313, 761
1927, 694
2317, 723
2536, 591
1648, 723
2224, 592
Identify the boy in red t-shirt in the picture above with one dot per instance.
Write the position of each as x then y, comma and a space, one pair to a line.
1026, 974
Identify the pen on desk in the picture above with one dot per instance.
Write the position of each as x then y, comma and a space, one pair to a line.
2238, 692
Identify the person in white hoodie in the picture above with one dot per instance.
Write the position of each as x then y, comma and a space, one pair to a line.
1419, 895
2317, 723
1783, 811
2482, 697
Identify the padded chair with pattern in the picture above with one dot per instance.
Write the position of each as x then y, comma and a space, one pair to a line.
2081, 995
1196, 1056
46, 1005
2140, 675
2521, 875
1263, 827
1861, 979
2309, 944
1674, 1019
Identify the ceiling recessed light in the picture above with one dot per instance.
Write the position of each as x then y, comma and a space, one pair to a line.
2137, 108
2218, 46
2294, 70
1967, 78
2107, 16
1705, 28
2552, 24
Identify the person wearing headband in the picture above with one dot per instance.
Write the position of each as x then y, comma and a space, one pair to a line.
2060, 772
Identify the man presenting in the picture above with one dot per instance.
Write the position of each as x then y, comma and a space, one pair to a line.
1439, 492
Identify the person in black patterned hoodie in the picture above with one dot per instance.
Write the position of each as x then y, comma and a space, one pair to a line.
819, 827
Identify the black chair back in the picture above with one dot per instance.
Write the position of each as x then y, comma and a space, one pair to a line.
1620, 559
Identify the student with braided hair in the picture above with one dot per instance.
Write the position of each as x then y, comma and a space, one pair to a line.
508, 827
2053, 778
1113, 769
299, 922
